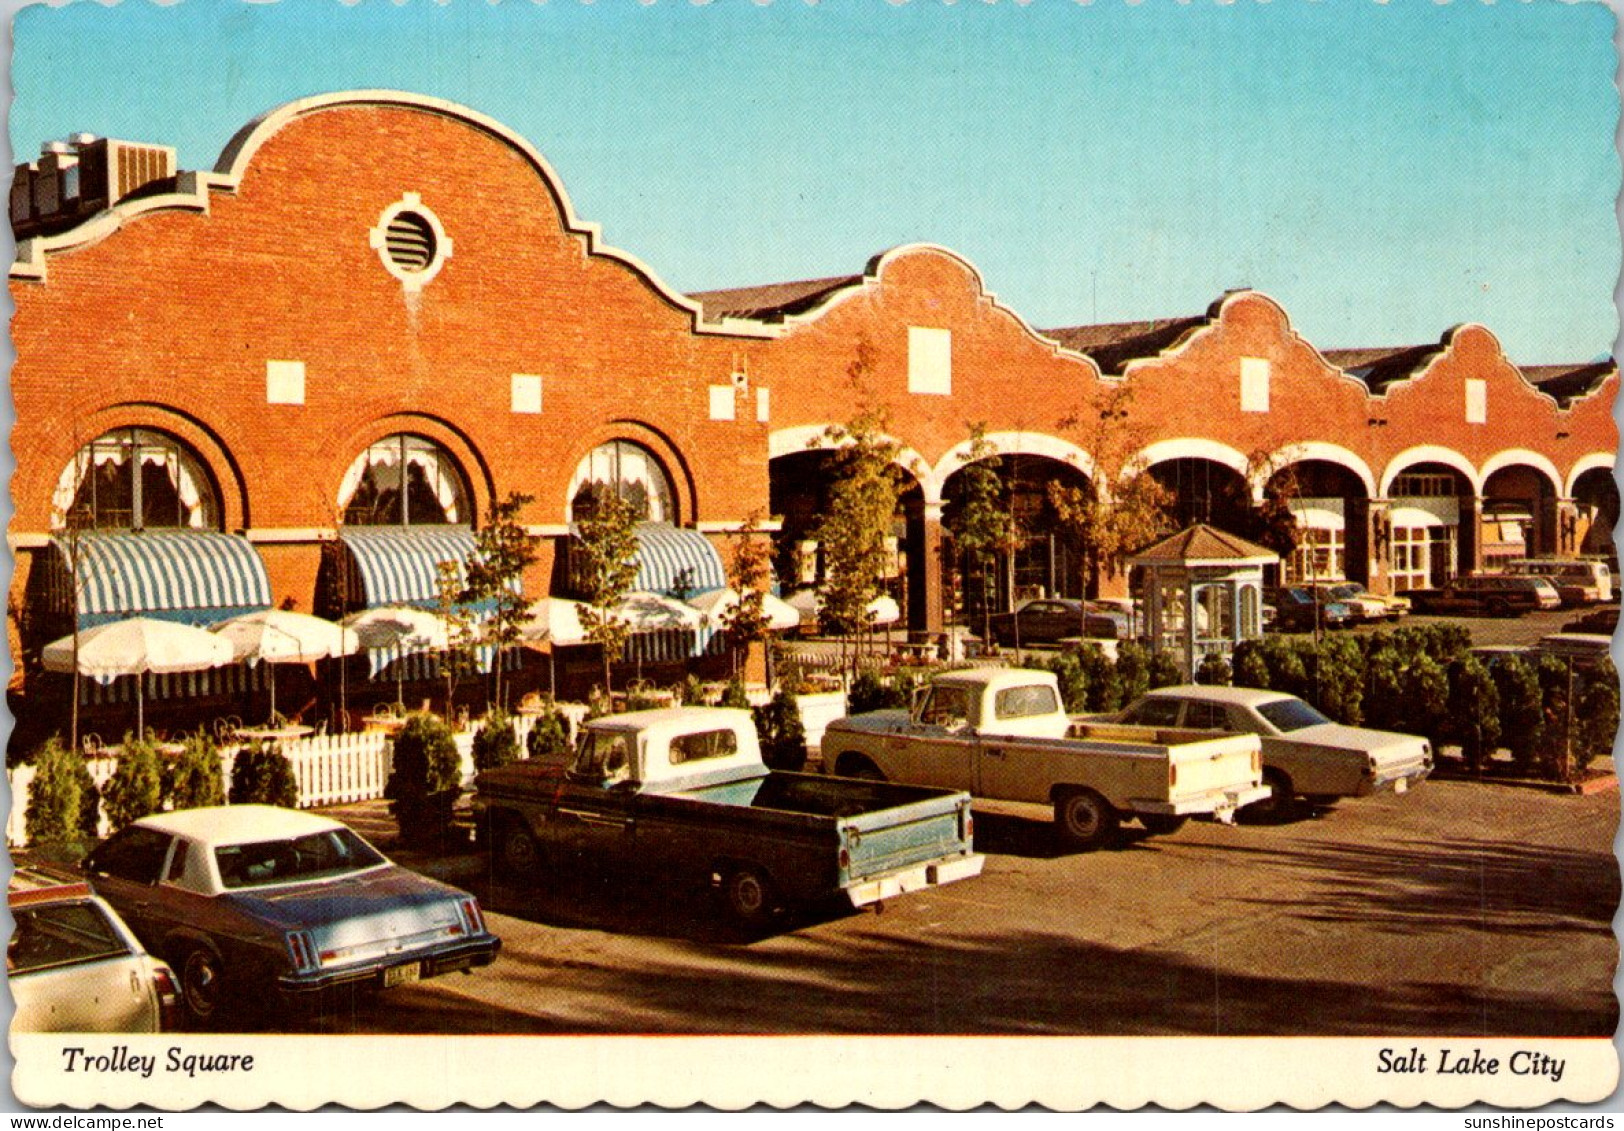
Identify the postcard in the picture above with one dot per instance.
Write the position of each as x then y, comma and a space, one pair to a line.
841, 553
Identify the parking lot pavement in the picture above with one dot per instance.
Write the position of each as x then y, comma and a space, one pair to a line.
1460, 909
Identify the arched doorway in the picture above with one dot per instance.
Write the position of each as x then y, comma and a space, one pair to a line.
1427, 543
1331, 508
1519, 518
1595, 493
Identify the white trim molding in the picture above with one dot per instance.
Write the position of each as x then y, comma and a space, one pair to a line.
1584, 463
1303, 450
1520, 457
1016, 443
1428, 453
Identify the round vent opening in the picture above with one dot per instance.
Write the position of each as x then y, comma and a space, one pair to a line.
409, 242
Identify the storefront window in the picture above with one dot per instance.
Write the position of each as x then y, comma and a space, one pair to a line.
135, 479
404, 480
628, 470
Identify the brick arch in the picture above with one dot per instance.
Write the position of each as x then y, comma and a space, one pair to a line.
1591, 462
1521, 457
815, 437
225, 474
684, 489
1429, 453
1016, 443
1191, 447
476, 471
1305, 450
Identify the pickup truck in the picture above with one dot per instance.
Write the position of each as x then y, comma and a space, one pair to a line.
1002, 734
684, 790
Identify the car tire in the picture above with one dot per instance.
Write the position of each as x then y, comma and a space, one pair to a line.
1162, 824
854, 765
748, 896
1278, 805
1498, 608
202, 977
515, 851
1084, 820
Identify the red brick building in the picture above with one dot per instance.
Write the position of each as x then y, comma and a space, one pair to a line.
379, 313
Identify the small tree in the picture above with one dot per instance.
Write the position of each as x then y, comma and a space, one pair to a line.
136, 787
262, 775
980, 521
425, 780
1384, 688
1339, 676
54, 816
1554, 750
503, 550
749, 573
1473, 719
193, 779
495, 744
607, 569
461, 655
782, 734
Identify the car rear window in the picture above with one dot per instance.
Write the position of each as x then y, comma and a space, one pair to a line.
706, 744
1024, 702
1291, 714
332, 852
61, 934
1156, 712
136, 855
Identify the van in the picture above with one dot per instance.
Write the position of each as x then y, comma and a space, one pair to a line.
1577, 581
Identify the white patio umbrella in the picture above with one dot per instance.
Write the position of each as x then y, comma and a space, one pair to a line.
552, 621
643, 611
135, 647
280, 636
808, 602
400, 629
780, 614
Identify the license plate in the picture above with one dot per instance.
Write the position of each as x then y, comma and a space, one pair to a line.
1401, 785
402, 975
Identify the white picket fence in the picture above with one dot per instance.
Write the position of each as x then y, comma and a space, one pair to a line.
333, 769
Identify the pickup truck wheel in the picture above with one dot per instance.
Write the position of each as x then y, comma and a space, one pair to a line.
1281, 797
749, 896
1162, 824
517, 851
856, 766
1084, 819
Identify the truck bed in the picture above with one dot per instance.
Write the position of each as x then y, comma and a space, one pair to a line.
814, 794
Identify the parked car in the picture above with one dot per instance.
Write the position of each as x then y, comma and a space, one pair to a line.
1368, 606
1049, 620
73, 966
1578, 581
1583, 648
256, 904
1298, 607
1603, 621
1494, 595
1305, 754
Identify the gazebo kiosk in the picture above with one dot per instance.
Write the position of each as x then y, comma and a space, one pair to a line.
1213, 573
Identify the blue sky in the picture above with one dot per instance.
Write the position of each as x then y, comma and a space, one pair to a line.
1384, 170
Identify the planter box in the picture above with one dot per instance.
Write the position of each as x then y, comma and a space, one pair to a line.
818, 710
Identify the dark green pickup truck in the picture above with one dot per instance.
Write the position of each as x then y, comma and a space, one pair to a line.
685, 791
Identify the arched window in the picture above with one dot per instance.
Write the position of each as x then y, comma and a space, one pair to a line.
629, 470
135, 479
404, 480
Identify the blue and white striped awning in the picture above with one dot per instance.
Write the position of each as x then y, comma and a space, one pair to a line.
676, 562
400, 565
195, 577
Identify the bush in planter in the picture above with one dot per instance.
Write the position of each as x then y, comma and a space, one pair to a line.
1068, 672
1133, 670
1473, 718
1164, 671
193, 780
1250, 668
1424, 701
1104, 687
1339, 671
1598, 715
1213, 670
56, 797
424, 780
1521, 714
495, 743
550, 737
136, 787
262, 775
782, 735
735, 695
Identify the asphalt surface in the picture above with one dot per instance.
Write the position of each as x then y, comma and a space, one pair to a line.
1462, 908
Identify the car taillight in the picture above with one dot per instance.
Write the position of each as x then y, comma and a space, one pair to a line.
1172, 775
303, 950
168, 998
1257, 761
845, 859
472, 920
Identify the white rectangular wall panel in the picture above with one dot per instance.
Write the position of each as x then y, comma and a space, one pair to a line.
1254, 384
526, 394
721, 402
930, 361
1477, 401
284, 382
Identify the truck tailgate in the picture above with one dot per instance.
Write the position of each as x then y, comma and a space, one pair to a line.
1221, 763
917, 833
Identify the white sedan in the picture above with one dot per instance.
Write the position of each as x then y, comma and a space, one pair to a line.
1305, 754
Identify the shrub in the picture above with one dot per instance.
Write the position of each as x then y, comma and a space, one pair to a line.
1339, 670
424, 780
783, 737
1213, 669
1425, 699
495, 743
1288, 666
867, 693
1521, 716
262, 775
193, 779
550, 737
735, 695
1100, 676
1384, 688
1598, 715
1250, 668
1068, 671
136, 787
1556, 749
56, 797
1133, 670
1164, 670
1473, 718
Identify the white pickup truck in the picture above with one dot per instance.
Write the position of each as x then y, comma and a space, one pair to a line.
1002, 734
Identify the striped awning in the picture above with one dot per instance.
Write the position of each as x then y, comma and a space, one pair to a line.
400, 565
676, 562
195, 577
